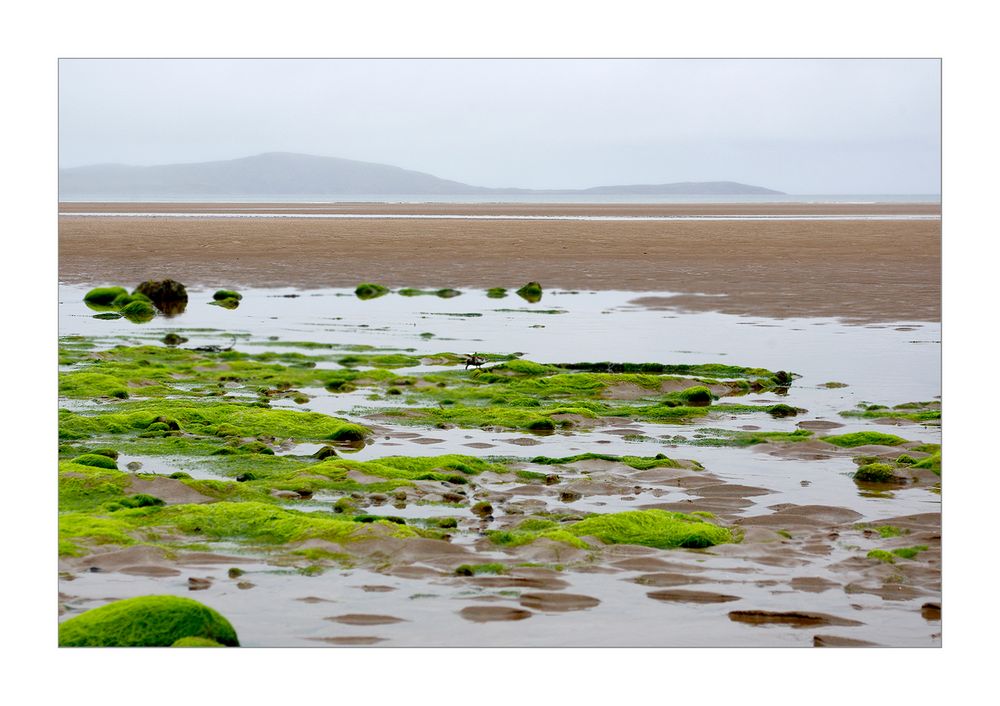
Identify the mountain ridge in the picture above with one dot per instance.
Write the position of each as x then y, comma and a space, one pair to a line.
289, 173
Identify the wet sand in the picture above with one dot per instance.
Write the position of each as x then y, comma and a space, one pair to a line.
865, 271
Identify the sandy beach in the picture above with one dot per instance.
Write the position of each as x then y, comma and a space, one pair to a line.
859, 270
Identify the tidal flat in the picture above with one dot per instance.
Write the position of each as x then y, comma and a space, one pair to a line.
324, 468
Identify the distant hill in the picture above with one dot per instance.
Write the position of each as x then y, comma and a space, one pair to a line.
285, 174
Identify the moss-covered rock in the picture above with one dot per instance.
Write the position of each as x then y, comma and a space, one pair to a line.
138, 311
878, 473
104, 296
226, 294
652, 528
863, 438
97, 461
173, 339
496, 292
531, 292
167, 295
146, 621
196, 642
367, 290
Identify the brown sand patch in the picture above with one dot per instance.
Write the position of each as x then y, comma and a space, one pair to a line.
836, 641
679, 595
149, 570
794, 618
558, 602
547, 583
666, 578
853, 269
169, 490
804, 516
350, 640
493, 613
815, 424
364, 619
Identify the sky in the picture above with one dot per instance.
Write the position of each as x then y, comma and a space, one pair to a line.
839, 126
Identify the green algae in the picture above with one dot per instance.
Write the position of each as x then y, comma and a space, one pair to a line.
146, 621
729, 437
205, 419
75, 528
367, 290
931, 463
496, 292
913, 411
863, 438
86, 384
652, 528
890, 556
224, 294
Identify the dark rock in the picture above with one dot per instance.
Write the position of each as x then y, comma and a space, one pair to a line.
169, 296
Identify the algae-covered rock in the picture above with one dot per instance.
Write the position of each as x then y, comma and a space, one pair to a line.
226, 294
697, 396
167, 295
782, 410
138, 311
496, 292
104, 296
531, 292
196, 642
173, 339
97, 461
878, 473
367, 290
146, 621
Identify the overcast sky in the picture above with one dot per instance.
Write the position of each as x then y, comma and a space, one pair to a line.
800, 126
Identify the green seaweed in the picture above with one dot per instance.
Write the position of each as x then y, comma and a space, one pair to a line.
637, 462
878, 473
226, 294
496, 292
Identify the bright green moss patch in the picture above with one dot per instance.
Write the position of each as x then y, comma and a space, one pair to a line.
890, 556
253, 522
638, 462
863, 438
75, 528
205, 419
931, 463
652, 528
85, 384
146, 621
368, 290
